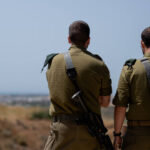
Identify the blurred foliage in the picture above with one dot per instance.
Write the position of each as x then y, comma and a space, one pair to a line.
41, 114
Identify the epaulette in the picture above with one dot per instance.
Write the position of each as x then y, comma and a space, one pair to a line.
130, 63
98, 57
94, 55
48, 60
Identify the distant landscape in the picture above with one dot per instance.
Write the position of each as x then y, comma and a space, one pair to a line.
25, 122
25, 100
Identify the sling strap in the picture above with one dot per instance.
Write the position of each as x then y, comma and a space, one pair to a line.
146, 64
92, 121
72, 74
70, 70
68, 60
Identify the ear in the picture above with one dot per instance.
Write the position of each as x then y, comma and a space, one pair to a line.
87, 42
69, 40
142, 45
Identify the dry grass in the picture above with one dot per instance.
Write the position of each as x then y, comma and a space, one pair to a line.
19, 132
15, 112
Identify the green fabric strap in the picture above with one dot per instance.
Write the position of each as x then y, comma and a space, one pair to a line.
48, 60
130, 62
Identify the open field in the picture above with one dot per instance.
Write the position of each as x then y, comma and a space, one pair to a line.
27, 128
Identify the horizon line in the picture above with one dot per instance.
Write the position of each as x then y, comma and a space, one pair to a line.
20, 93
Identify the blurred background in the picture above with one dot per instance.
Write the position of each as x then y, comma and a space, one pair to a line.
30, 30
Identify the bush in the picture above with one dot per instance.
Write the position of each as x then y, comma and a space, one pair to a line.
42, 114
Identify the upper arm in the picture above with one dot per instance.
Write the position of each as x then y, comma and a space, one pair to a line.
122, 95
104, 101
105, 87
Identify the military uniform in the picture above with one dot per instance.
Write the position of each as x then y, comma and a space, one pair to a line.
94, 80
134, 92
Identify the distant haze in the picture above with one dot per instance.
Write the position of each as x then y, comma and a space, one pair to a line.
29, 30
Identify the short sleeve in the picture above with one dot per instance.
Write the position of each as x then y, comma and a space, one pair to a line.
106, 88
122, 95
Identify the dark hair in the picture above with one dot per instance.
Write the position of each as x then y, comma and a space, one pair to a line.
79, 32
146, 37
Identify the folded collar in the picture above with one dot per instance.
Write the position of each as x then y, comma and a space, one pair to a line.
77, 48
147, 54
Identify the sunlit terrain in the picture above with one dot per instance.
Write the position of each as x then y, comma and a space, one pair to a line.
27, 127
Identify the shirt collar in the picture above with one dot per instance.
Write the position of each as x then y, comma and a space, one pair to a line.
77, 48
147, 54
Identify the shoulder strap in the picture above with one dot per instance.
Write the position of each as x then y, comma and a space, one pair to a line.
130, 62
93, 55
146, 64
70, 70
48, 60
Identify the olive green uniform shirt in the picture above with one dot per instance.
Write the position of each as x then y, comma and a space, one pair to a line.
92, 77
134, 91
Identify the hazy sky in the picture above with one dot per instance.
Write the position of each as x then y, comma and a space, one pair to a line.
31, 29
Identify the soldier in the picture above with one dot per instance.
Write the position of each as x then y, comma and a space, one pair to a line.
134, 93
93, 79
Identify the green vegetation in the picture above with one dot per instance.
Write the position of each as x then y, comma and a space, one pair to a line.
41, 114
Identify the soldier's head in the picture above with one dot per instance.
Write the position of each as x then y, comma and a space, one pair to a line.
145, 42
79, 34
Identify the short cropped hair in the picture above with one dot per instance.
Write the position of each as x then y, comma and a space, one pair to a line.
79, 32
145, 36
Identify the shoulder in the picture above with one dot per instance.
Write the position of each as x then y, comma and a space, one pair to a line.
129, 65
128, 68
49, 59
94, 61
95, 56
130, 62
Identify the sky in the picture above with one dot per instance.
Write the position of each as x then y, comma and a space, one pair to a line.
32, 29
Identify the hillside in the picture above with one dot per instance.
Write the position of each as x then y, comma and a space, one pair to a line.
18, 131
24, 128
